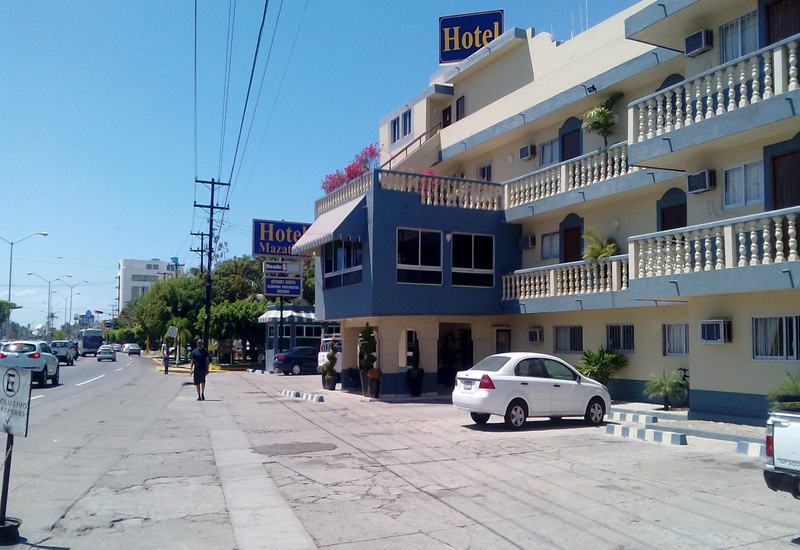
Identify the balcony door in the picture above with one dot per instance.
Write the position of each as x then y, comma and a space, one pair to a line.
785, 187
571, 232
570, 139
672, 210
447, 117
782, 19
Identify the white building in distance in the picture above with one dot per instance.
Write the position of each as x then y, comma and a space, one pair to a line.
135, 277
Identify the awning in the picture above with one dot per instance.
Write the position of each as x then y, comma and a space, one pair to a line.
288, 315
323, 229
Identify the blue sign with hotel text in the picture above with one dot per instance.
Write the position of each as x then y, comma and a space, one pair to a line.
462, 35
276, 238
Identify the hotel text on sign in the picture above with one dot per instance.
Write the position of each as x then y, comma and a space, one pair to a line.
275, 238
462, 35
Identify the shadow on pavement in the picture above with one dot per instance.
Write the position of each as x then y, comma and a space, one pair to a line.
537, 425
24, 543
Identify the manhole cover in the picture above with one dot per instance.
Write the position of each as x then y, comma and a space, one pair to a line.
293, 448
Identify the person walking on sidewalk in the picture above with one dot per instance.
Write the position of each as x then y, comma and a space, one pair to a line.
165, 359
199, 369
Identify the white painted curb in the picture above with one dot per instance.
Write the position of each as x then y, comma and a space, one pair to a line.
646, 434
755, 450
633, 418
317, 398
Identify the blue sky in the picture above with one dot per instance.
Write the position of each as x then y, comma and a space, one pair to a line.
96, 111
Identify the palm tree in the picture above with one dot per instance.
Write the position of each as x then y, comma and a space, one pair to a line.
668, 384
595, 247
601, 119
787, 394
602, 364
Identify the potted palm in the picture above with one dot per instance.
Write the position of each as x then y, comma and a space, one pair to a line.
374, 382
601, 119
366, 357
595, 247
602, 364
329, 371
667, 385
415, 373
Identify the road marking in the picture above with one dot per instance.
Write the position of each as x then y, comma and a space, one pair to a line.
117, 370
90, 380
36, 397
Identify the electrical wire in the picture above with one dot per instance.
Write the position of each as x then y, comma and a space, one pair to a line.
227, 82
195, 89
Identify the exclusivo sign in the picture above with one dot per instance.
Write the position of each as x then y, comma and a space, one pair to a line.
276, 238
462, 35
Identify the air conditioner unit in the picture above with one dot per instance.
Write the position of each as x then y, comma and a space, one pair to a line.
698, 43
527, 153
700, 182
716, 331
527, 241
536, 335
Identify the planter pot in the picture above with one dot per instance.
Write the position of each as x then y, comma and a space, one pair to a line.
374, 386
364, 386
329, 382
415, 378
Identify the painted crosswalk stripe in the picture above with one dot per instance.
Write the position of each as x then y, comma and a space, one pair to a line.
90, 380
117, 370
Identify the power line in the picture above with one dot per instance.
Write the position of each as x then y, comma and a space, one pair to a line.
195, 89
226, 85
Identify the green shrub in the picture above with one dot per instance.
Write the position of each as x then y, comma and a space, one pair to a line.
667, 385
328, 367
789, 387
366, 351
602, 364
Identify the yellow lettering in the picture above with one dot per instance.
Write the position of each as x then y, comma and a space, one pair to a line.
496, 30
477, 33
487, 36
466, 40
280, 235
448, 38
266, 232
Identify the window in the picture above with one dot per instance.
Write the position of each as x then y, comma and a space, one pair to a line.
676, 339
550, 246
410, 341
775, 338
485, 172
144, 278
738, 37
419, 256
619, 337
460, 108
548, 152
531, 367
744, 185
406, 122
341, 263
473, 260
394, 130
569, 339
557, 370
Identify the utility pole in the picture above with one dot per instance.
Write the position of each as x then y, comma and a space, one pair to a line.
201, 251
211, 207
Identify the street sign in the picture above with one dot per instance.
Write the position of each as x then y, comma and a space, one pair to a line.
275, 238
15, 400
282, 268
172, 332
283, 287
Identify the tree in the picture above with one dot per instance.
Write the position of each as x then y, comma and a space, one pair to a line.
787, 394
236, 320
5, 311
667, 385
602, 364
363, 162
595, 247
238, 278
309, 282
601, 120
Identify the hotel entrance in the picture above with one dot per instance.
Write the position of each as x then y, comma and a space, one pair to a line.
455, 354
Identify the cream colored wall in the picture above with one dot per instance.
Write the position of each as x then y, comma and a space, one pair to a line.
730, 367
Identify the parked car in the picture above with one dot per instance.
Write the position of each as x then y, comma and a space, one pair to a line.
116, 347
132, 349
63, 351
32, 355
296, 360
521, 385
324, 347
782, 469
106, 352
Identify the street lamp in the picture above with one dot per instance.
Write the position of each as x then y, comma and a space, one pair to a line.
11, 263
71, 288
49, 292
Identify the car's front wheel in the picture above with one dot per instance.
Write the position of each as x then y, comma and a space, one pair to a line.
480, 418
296, 369
595, 411
516, 413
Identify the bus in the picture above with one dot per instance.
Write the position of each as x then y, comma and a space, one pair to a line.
89, 340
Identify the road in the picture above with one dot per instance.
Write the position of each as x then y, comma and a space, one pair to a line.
114, 459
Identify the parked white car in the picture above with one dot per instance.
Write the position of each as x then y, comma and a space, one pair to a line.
518, 385
36, 356
106, 352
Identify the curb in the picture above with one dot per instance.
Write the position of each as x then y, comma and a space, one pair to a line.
315, 397
646, 434
633, 418
754, 450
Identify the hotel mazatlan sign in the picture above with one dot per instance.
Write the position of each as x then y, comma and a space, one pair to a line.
275, 238
462, 35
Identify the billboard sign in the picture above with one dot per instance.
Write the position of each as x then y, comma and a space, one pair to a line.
462, 35
15, 400
282, 268
275, 238
283, 287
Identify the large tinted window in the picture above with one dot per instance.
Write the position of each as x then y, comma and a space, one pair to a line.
493, 363
431, 249
407, 247
462, 251
419, 256
19, 348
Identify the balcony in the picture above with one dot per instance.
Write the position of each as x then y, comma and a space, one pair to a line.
351, 190
745, 254
715, 108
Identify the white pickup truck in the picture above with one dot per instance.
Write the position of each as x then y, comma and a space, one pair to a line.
782, 470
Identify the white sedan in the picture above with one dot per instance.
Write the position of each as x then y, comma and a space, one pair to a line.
106, 352
518, 385
36, 356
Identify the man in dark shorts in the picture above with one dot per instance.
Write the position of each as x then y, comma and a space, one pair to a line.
199, 369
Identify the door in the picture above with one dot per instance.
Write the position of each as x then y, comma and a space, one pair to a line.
673, 217
785, 186
531, 380
566, 395
502, 340
571, 244
783, 20
447, 116
570, 145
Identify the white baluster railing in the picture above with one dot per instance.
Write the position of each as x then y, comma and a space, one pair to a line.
568, 279
351, 190
758, 239
442, 191
750, 79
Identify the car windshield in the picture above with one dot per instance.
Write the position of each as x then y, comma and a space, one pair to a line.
19, 348
493, 363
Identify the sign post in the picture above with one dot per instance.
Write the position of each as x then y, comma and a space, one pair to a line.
15, 402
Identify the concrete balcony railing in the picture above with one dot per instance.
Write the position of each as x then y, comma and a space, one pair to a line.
443, 191
750, 79
575, 173
759, 239
568, 279
351, 190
